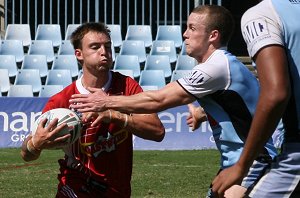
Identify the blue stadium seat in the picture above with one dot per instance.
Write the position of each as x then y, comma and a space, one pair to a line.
152, 78
36, 62
13, 47
176, 74
170, 32
42, 47
128, 62
20, 91
19, 32
140, 33
66, 62
59, 77
115, 34
164, 48
50, 32
162, 62
50, 90
126, 72
9, 62
70, 29
149, 87
183, 49
131, 47
4, 81
29, 77
66, 48
185, 62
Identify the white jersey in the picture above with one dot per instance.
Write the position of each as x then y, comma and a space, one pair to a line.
276, 22
228, 92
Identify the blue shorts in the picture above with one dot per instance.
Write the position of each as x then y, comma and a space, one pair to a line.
283, 177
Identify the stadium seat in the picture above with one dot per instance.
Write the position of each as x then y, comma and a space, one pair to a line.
162, 62
36, 62
66, 48
29, 77
66, 62
13, 47
50, 90
176, 74
183, 49
126, 72
80, 72
170, 32
9, 62
20, 91
164, 48
59, 77
19, 32
140, 33
152, 78
42, 47
4, 81
50, 32
134, 48
115, 34
149, 87
185, 62
70, 29
128, 62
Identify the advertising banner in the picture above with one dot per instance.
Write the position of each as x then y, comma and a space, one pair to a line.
17, 116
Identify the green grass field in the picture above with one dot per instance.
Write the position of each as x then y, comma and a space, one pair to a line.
155, 173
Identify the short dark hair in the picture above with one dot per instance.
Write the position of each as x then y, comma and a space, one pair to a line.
218, 18
82, 30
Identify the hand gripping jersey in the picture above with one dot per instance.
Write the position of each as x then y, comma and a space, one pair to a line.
103, 154
228, 92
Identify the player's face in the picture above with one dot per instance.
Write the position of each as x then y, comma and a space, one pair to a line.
96, 51
196, 38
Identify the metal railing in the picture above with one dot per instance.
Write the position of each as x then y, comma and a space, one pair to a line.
123, 12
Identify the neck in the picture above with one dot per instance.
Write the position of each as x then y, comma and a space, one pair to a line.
99, 81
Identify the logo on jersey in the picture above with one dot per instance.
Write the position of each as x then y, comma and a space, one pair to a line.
295, 1
197, 77
255, 29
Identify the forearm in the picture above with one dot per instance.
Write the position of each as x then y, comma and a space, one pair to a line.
146, 126
171, 95
269, 111
28, 151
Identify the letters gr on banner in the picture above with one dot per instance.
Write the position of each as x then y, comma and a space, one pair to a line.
17, 115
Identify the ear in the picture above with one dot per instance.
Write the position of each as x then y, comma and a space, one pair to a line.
214, 35
78, 54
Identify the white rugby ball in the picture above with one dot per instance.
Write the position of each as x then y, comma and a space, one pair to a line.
64, 115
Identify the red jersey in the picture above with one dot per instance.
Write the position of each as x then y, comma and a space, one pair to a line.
103, 153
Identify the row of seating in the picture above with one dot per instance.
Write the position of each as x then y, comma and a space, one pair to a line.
134, 32
28, 82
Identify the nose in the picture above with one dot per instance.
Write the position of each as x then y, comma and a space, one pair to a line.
185, 34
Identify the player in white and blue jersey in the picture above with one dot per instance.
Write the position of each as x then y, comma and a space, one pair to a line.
271, 30
224, 87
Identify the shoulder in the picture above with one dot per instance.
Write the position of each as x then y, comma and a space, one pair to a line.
61, 99
125, 84
261, 26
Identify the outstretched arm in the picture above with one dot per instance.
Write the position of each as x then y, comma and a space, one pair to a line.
146, 102
274, 80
